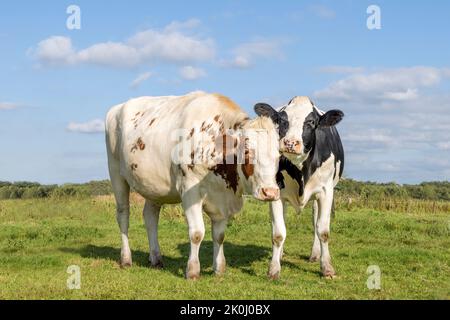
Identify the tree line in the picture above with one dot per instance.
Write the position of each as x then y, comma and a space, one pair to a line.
435, 191
31, 190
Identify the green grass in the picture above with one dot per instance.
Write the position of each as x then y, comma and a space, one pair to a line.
39, 239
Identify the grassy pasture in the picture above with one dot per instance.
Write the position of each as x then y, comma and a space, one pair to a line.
40, 238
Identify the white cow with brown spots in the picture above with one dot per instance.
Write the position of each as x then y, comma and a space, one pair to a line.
201, 150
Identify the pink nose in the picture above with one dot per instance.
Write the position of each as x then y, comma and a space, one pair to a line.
270, 194
291, 146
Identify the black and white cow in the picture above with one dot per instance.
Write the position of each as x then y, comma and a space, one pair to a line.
311, 166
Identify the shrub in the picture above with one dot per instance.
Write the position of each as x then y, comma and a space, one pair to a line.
69, 190
31, 193
4, 192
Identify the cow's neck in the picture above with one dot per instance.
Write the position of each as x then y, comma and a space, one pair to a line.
297, 160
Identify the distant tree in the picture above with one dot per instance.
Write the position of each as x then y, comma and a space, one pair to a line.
30, 193
4, 184
4, 192
15, 192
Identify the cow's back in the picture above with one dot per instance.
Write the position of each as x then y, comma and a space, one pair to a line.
141, 135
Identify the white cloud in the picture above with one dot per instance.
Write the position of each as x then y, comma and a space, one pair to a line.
113, 54
172, 44
322, 11
239, 62
93, 126
183, 25
341, 69
444, 145
55, 50
141, 78
370, 136
8, 105
245, 55
398, 84
409, 94
192, 73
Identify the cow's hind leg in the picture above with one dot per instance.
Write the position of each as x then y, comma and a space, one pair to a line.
121, 191
192, 205
278, 236
218, 235
323, 231
315, 251
151, 218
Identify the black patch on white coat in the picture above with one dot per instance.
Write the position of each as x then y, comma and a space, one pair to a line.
278, 118
292, 171
326, 142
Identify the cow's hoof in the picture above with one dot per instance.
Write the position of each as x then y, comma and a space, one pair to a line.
125, 259
314, 258
192, 276
328, 273
193, 270
219, 270
274, 276
157, 265
125, 263
274, 271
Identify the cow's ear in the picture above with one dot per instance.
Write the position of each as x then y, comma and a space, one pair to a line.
331, 118
265, 110
279, 118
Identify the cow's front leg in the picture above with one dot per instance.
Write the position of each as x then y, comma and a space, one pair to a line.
325, 201
151, 218
278, 237
218, 235
315, 251
192, 205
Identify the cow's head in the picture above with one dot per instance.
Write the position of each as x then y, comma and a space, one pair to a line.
261, 158
304, 119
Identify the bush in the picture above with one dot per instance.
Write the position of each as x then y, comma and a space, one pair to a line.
69, 190
99, 188
4, 192
16, 192
31, 193
4, 184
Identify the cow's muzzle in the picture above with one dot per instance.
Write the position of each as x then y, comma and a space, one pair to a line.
269, 194
291, 146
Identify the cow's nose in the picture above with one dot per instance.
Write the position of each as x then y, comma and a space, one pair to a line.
292, 146
270, 194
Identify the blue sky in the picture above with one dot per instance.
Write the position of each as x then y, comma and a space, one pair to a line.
56, 84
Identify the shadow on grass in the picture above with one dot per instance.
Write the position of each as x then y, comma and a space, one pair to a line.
303, 268
237, 256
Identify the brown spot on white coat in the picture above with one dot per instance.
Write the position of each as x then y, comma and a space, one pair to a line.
140, 144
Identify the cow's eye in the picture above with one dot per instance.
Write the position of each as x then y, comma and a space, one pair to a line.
310, 123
